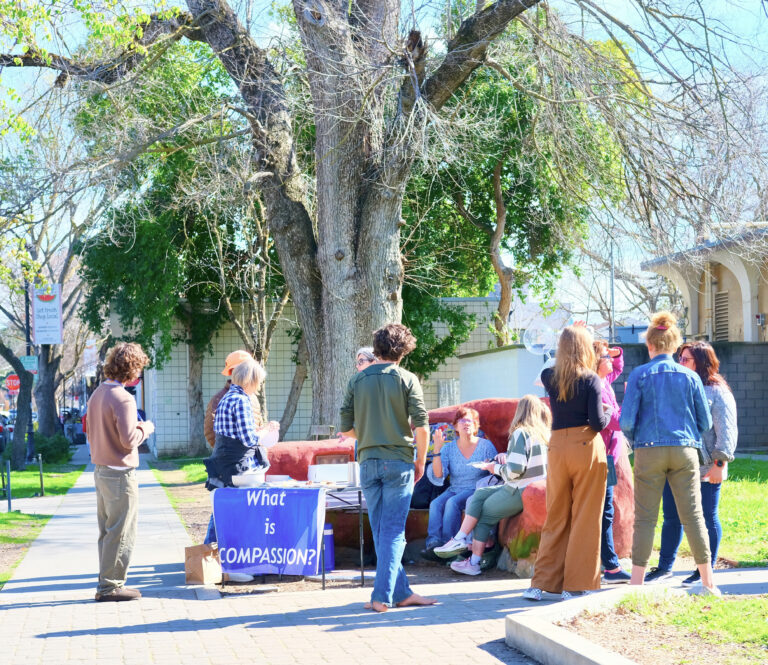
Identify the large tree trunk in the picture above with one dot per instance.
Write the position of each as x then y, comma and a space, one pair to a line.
197, 443
48, 361
299, 377
505, 274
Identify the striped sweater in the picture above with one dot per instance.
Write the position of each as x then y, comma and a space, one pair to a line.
526, 460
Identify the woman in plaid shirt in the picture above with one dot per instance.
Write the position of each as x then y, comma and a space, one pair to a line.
237, 446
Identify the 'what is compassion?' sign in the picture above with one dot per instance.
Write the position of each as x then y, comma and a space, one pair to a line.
269, 530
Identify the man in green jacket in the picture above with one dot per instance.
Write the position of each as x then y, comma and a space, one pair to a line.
376, 408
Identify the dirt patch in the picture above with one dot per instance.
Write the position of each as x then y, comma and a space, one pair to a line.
10, 553
647, 642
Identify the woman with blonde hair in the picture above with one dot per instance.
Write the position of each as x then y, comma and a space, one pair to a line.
239, 444
568, 560
664, 415
526, 462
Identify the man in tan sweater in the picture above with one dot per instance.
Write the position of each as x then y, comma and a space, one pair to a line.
115, 434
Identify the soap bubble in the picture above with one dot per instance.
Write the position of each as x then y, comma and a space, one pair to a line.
540, 341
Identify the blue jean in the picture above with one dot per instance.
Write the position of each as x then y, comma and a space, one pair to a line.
210, 534
388, 486
672, 529
607, 549
445, 515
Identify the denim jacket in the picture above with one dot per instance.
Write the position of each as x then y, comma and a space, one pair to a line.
664, 405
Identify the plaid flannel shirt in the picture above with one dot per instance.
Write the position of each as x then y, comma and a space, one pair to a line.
234, 417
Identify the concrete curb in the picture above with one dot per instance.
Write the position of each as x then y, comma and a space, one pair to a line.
535, 634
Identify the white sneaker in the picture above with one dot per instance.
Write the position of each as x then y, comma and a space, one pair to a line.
239, 577
532, 593
701, 590
451, 548
466, 567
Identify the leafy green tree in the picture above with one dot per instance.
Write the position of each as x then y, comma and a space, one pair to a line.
151, 278
382, 98
506, 200
191, 211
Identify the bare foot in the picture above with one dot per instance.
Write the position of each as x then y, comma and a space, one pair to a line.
376, 606
416, 599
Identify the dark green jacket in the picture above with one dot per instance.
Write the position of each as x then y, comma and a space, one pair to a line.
377, 404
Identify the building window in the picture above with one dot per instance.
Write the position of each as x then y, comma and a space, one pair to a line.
448, 392
721, 317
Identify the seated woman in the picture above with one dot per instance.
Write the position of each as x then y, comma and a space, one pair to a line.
526, 463
456, 459
237, 447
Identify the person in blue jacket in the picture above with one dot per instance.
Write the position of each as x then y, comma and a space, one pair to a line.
664, 415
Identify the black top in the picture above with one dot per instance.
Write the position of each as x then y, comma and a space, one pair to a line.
585, 406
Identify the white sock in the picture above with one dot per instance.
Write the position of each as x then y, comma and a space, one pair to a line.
461, 536
475, 559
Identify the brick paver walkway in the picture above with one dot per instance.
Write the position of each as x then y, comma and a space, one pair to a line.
48, 616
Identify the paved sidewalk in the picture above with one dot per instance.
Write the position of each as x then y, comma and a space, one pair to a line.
48, 615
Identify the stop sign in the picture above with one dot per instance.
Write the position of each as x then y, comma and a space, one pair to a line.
12, 382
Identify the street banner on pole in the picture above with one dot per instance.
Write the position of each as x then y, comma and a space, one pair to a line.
30, 364
46, 314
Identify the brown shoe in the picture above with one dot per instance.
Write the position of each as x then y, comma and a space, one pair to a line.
119, 594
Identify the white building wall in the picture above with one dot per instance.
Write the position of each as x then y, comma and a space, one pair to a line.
506, 372
166, 403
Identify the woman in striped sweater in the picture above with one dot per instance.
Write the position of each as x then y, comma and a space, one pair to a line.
526, 462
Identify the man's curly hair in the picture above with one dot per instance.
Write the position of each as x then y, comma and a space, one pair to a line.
125, 362
393, 342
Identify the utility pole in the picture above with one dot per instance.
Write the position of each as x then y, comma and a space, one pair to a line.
613, 301
30, 425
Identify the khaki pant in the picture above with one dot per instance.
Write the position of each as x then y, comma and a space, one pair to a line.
117, 512
490, 505
654, 465
569, 552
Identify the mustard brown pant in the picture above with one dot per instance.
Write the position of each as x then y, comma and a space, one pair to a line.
569, 551
678, 465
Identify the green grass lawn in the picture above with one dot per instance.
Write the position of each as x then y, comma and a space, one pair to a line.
743, 514
20, 529
17, 529
57, 479
730, 620
193, 467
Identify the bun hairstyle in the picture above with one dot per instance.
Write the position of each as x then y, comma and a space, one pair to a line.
663, 334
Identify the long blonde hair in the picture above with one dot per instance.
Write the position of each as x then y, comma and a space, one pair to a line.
533, 417
575, 359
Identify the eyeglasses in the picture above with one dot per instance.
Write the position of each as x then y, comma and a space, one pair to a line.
685, 359
605, 357
465, 420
